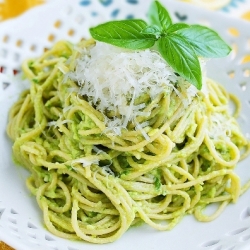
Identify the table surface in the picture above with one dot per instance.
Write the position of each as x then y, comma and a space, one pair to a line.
235, 8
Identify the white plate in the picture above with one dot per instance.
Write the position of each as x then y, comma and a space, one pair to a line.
21, 223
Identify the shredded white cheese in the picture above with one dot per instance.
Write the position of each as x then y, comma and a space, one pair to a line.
85, 162
113, 78
220, 126
58, 123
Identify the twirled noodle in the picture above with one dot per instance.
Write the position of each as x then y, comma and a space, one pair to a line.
94, 185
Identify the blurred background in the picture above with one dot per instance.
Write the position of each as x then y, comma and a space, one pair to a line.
239, 8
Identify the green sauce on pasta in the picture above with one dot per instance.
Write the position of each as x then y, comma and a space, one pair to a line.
93, 185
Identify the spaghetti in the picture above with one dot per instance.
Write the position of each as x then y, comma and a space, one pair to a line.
93, 184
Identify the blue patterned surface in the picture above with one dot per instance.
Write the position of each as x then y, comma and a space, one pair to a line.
85, 2
232, 5
106, 2
115, 12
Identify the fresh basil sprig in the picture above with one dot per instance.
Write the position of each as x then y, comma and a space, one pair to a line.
179, 44
127, 34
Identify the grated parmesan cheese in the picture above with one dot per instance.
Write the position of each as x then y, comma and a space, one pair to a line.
86, 162
58, 123
113, 78
220, 127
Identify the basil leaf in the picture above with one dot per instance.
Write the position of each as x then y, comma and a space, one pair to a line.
181, 57
177, 26
154, 30
126, 34
159, 16
206, 42
153, 15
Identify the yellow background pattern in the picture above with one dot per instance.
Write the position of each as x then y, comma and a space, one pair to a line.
3, 246
13, 8
246, 15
